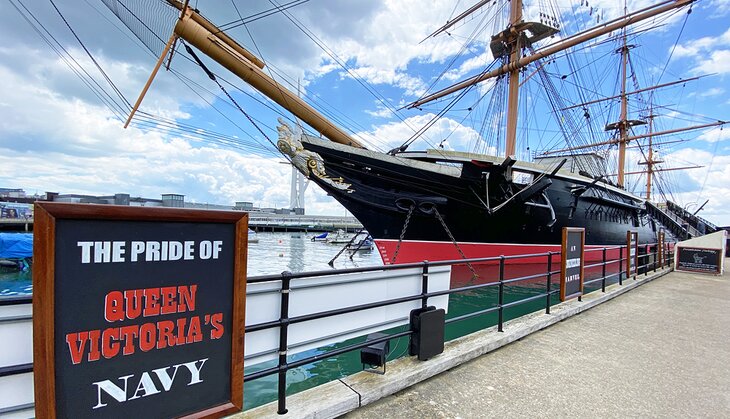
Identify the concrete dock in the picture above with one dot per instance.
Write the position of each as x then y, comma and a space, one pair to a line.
661, 350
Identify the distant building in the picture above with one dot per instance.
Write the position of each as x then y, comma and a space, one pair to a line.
170, 200
12, 193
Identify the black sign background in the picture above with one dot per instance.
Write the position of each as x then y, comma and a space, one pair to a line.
77, 292
699, 260
80, 295
572, 249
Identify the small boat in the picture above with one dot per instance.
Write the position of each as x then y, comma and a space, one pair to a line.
252, 237
363, 241
320, 237
16, 251
339, 237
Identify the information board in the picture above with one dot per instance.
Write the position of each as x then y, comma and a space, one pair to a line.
632, 256
138, 312
699, 260
571, 263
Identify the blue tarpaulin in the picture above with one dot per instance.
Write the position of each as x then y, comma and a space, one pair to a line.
16, 245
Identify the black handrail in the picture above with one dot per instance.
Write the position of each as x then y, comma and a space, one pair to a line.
285, 321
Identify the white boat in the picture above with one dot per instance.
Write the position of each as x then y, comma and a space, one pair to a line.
252, 237
363, 241
339, 237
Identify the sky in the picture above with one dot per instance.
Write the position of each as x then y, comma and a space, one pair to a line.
358, 61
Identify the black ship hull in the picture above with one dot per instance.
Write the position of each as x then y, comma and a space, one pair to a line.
436, 207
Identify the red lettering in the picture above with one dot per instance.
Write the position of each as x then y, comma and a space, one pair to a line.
113, 311
110, 348
216, 321
128, 335
166, 336
133, 299
194, 333
76, 342
151, 302
180, 327
169, 305
147, 337
94, 353
187, 298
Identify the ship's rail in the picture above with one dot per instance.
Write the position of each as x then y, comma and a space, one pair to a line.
611, 258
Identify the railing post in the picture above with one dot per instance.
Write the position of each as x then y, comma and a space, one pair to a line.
621, 265
603, 273
548, 283
283, 331
501, 293
656, 256
646, 264
424, 285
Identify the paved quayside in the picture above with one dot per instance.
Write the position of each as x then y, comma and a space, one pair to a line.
661, 350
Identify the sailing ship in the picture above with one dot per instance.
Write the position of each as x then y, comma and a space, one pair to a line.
438, 204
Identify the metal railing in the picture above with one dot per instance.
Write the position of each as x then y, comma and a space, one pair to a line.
649, 258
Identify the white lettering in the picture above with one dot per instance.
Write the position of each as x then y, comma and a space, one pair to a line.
118, 393
165, 379
137, 249
189, 250
194, 370
153, 251
146, 384
176, 251
572, 263
118, 252
102, 252
85, 251
206, 249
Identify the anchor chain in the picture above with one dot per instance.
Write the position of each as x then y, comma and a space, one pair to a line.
403, 232
453, 240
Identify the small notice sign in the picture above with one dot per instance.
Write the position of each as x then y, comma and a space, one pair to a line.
699, 259
661, 244
138, 312
632, 257
572, 263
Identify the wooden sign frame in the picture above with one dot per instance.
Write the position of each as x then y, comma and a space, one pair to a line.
46, 261
630, 234
567, 233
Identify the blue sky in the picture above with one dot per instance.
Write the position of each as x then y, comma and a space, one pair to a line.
57, 135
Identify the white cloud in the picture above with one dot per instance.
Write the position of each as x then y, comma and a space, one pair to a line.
715, 135
714, 91
710, 54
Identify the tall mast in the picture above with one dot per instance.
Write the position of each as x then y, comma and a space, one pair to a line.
562, 45
514, 77
650, 162
623, 120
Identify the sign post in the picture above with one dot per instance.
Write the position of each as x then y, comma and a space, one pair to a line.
138, 312
572, 261
660, 247
632, 254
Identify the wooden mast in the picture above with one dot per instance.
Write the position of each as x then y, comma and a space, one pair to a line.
562, 45
211, 41
514, 78
650, 162
623, 119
